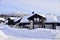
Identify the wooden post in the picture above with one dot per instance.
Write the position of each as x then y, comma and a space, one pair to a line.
31, 24
39, 22
42, 22
54, 26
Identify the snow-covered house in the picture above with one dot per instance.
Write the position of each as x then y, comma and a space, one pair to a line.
2, 19
40, 21
37, 20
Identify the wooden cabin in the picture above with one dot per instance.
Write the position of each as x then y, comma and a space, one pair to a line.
38, 21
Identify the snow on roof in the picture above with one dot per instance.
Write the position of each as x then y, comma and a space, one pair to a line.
41, 15
51, 18
58, 17
24, 19
12, 17
2, 19
38, 14
16, 19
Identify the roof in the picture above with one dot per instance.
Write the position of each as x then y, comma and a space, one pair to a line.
24, 19
36, 15
58, 17
41, 15
49, 18
2, 19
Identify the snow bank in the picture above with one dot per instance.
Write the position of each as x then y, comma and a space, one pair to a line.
21, 38
3, 36
2, 26
57, 35
37, 33
25, 34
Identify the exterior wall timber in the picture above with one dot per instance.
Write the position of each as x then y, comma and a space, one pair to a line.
41, 22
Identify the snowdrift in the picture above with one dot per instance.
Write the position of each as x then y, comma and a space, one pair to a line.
25, 34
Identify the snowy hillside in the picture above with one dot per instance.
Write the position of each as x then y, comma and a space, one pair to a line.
7, 33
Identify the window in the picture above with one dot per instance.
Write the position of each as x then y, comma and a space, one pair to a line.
37, 19
34, 19
48, 26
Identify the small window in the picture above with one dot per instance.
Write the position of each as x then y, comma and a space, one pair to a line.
48, 26
37, 19
34, 19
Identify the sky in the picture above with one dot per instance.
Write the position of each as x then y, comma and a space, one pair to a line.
28, 6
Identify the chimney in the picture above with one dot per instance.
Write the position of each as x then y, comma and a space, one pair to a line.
32, 12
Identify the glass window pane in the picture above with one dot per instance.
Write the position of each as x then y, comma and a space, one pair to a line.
37, 19
34, 19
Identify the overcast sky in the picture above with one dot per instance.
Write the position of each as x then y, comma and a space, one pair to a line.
38, 6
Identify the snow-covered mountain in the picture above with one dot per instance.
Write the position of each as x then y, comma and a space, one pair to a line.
13, 14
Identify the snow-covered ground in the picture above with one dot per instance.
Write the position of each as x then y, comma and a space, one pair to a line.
7, 33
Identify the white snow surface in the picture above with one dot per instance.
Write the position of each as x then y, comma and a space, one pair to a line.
2, 19
51, 18
7, 33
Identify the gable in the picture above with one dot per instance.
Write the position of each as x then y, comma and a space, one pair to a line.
36, 16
